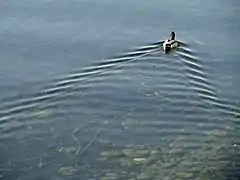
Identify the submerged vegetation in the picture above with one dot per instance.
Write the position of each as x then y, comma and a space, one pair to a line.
179, 159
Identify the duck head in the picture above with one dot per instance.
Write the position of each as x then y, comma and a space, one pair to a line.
172, 35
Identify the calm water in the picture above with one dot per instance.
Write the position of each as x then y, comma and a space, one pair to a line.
83, 77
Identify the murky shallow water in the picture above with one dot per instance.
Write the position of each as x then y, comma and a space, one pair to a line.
86, 91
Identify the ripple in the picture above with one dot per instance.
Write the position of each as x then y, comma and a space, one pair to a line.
144, 81
140, 97
61, 86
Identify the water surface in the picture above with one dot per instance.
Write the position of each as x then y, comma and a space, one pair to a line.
79, 78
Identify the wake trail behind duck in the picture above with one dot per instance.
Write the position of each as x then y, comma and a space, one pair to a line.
200, 81
63, 84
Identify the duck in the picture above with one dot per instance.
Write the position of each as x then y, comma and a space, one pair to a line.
170, 43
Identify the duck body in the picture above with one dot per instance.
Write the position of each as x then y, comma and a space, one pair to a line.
170, 43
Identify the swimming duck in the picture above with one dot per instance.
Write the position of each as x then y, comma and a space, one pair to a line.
170, 43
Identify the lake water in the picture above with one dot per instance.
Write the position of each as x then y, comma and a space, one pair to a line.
87, 92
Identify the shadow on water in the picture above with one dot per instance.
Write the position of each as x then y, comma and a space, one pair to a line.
140, 96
